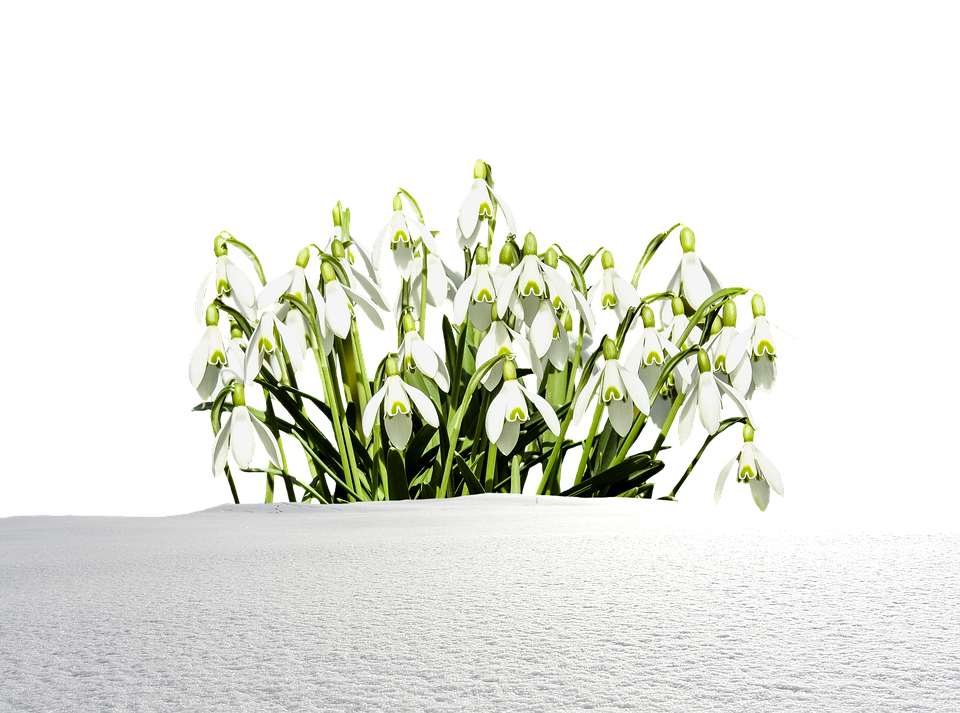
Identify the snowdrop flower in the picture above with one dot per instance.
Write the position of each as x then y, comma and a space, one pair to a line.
530, 279
237, 433
757, 342
679, 324
651, 352
620, 389
209, 357
503, 340
754, 468
420, 356
508, 410
693, 280
477, 294
617, 294
403, 232
229, 281
267, 338
478, 205
395, 397
440, 286
703, 393
369, 282
335, 308
737, 370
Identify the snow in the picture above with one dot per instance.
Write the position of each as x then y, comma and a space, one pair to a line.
490, 603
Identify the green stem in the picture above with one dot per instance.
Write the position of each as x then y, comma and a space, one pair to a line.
423, 292
630, 439
666, 425
233, 486
328, 396
588, 444
357, 477
491, 467
484, 404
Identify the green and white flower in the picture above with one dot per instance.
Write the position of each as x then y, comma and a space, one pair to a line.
403, 232
737, 370
477, 294
442, 285
679, 324
368, 279
420, 356
757, 342
229, 281
620, 389
479, 205
209, 357
395, 397
693, 280
703, 394
503, 340
509, 409
238, 432
615, 292
266, 340
531, 278
754, 468
335, 309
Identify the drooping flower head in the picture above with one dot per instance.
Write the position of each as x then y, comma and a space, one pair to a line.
757, 341
703, 395
229, 281
395, 397
615, 292
752, 467
479, 206
736, 368
403, 232
692, 280
508, 410
418, 355
620, 390
209, 357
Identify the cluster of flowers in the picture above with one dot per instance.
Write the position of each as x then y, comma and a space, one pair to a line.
527, 327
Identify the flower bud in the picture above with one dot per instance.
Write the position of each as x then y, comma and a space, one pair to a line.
409, 325
213, 316
509, 370
337, 250
703, 361
327, 272
494, 316
397, 203
687, 240
606, 259
506, 255
483, 258
568, 321
677, 305
337, 214
220, 246
551, 258
759, 309
390, 367
610, 350
747, 433
239, 398
480, 169
303, 257
530, 244
235, 331
715, 327
646, 314
729, 314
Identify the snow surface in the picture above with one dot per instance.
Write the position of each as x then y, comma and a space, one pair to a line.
490, 603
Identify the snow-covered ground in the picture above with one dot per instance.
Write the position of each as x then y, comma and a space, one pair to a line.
493, 603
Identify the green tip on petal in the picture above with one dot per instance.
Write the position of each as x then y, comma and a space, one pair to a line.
483, 257
337, 214
235, 331
409, 325
568, 321
677, 305
506, 255
397, 203
239, 398
551, 258
530, 244
303, 257
715, 327
759, 309
220, 246
509, 370
493, 312
687, 240
646, 314
747, 433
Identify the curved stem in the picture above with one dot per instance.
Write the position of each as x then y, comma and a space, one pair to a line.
423, 292
588, 444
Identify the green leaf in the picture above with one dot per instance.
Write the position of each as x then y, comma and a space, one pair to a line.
651, 250
397, 476
470, 478
579, 281
585, 263
252, 256
415, 204
708, 304
631, 472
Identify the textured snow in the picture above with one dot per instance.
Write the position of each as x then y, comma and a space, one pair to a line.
490, 603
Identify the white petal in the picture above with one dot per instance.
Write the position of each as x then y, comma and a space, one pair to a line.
462, 301
199, 360
436, 281
544, 407
611, 383
709, 402
586, 312
687, 412
626, 294
370, 411
253, 361
423, 403
241, 285
241, 437
480, 316
424, 357
201, 295
761, 493
372, 289
559, 285
515, 405
741, 375
399, 429
496, 415
442, 377
397, 400
738, 400
541, 331
425, 234
621, 415
507, 213
585, 396
291, 344
368, 309
266, 438
721, 481
274, 289
338, 310
209, 382
769, 472
694, 283
220, 446
506, 288
666, 306
470, 208
636, 389
715, 284
738, 345
378, 243
407, 265
508, 437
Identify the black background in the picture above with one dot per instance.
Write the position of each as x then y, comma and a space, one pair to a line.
752, 223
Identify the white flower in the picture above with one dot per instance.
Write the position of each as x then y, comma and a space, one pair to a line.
692, 280
650, 353
403, 232
335, 309
679, 324
617, 294
270, 334
395, 397
763, 351
440, 286
754, 468
239, 434
703, 393
508, 410
420, 356
476, 295
545, 329
228, 278
529, 280
738, 371
477, 205
346, 256
208, 358
620, 389
503, 340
